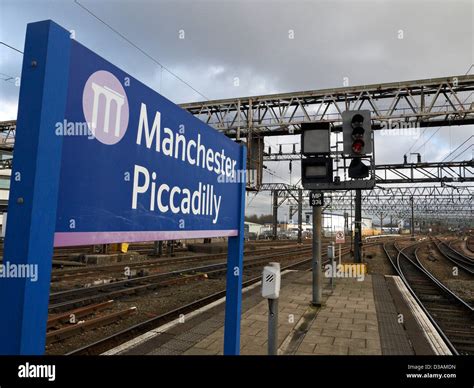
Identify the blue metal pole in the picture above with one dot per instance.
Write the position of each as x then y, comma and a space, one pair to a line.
235, 260
34, 190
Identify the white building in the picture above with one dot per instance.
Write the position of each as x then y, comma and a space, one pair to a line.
332, 223
4, 185
253, 227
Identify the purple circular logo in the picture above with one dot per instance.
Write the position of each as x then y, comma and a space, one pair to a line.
105, 107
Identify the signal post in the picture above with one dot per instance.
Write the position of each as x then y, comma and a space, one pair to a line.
321, 168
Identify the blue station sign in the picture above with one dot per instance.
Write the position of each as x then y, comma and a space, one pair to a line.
135, 166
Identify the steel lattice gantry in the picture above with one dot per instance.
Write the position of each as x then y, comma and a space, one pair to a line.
423, 103
433, 202
427, 102
430, 172
7, 135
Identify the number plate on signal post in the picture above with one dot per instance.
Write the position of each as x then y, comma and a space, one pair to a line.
316, 198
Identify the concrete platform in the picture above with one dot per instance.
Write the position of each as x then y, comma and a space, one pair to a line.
369, 317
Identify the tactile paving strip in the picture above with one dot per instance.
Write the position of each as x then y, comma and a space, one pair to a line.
393, 338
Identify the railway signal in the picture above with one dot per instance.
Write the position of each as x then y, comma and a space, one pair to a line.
357, 140
357, 132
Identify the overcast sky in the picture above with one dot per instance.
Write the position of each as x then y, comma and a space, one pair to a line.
250, 40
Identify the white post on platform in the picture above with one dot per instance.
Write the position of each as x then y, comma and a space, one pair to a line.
271, 279
340, 255
332, 257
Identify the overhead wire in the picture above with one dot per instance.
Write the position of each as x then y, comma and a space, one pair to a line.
149, 56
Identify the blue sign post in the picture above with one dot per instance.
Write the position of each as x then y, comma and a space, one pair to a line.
235, 266
101, 158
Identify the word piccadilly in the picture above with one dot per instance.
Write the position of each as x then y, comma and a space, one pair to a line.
202, 201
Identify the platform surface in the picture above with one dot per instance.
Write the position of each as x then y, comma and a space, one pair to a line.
356, 318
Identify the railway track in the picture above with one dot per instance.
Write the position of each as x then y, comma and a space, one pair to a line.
76, 273
68, 331
451, 316
457, 258
470, 244
452, 242
65, 300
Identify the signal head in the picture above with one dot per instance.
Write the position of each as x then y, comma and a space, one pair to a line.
357, 121
358, 146
356, 128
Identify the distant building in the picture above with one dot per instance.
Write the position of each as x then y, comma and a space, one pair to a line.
4, 185
252, 227
333, 222
304, 226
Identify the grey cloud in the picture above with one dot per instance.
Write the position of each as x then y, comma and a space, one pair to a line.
250, 40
